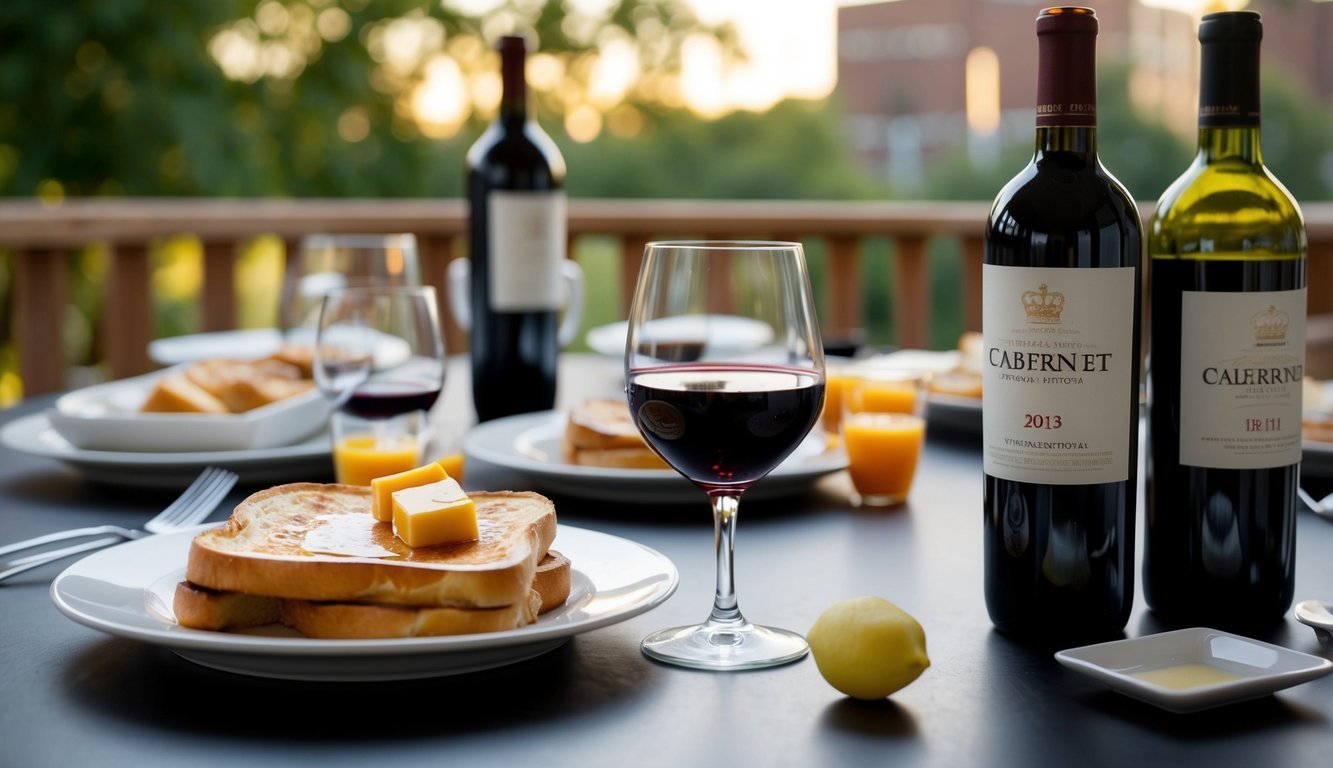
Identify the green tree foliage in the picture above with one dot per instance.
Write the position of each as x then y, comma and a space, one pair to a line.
797, 150
128, 97
1142, 153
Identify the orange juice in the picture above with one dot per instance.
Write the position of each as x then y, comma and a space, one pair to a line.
836, 385
453, 465
358, 459
884, 396
882, 452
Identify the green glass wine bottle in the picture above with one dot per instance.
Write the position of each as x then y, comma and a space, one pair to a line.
1228, 257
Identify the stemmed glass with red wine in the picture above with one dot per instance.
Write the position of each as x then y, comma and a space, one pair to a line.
379, 358
724, 408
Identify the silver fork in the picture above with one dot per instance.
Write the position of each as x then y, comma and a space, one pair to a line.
194, 504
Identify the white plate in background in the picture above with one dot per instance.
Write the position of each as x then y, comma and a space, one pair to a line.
244, 344
530, 443
724, 334
127, 591
106, 417
1255, 668
308, 460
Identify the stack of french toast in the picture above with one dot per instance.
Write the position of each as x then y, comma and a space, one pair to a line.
315, 558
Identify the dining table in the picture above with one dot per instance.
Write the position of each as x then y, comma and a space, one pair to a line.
74, 696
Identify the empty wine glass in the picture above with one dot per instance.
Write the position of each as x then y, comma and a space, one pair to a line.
326, 261
724, 414
379, 359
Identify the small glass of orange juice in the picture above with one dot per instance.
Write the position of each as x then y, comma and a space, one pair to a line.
837, 378
366, 449
883, 427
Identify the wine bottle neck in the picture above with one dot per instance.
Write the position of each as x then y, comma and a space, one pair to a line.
513, 63
1066, 71
1230, 143
1229, 83
1079, 140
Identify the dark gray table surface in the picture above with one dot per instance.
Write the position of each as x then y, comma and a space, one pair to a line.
70, 696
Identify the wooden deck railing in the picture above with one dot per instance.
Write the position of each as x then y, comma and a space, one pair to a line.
39, 236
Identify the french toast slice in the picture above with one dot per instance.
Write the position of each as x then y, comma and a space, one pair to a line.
200, 608
310, 541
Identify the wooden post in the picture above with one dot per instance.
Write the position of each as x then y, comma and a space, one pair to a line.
127, 320
911, 305
219, 291
41, 298
843, 293
974, 253
436, 252
631, 256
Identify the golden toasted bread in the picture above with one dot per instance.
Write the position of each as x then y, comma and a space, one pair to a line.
177, 394
302, 357
244, 385
310, 541
600, 432
201, 608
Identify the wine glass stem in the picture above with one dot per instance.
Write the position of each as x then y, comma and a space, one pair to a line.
725, 608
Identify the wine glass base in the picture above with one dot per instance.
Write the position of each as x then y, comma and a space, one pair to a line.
722, 647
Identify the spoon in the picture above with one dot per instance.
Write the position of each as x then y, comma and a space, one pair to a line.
1323, 507
1318, 615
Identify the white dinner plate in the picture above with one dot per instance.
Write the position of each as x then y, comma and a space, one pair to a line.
127, 591
308, 460
724, 334
530, 443
1240, 668
243, 344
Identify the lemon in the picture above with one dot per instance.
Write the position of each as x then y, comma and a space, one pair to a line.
868, 648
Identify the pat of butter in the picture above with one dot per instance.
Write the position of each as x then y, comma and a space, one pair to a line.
434, 514
383, 488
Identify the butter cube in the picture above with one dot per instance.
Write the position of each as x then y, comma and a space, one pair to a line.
383, 488
432, 514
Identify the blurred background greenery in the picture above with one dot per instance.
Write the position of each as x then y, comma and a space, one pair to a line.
382, 98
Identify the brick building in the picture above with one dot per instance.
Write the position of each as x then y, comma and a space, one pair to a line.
918, 77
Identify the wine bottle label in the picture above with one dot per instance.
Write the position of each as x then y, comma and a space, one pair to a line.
1242, 356
527, 234
1056, 379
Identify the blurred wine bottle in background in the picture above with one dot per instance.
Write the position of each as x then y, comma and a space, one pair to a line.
1060, 308
517, 242
1228, 255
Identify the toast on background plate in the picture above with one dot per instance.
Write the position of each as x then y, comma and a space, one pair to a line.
313, 557
600, 432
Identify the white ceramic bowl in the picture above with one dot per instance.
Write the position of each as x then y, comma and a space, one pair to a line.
106, 417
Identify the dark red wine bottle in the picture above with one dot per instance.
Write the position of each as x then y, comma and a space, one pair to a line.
1060, 306
517, 240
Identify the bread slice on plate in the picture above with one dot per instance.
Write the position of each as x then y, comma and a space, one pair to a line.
600, 432
201, 608
309, 541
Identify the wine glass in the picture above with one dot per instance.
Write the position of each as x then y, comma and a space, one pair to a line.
379, 359
326, 261
723, 412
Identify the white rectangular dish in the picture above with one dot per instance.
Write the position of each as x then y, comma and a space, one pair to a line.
106, 417
1192, 669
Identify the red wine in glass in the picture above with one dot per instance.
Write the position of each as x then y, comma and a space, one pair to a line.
386, 399
725, 426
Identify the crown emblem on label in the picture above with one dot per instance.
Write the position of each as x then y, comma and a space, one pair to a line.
1042, 306
1270, 324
